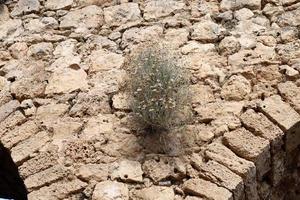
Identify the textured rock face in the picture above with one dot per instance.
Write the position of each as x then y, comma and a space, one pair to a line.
108, 190
65, 110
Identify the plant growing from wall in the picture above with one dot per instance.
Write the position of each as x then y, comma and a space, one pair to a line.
159, 87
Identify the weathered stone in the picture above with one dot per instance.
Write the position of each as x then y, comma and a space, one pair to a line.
19, 134
87, 17
11, 29
202, 94
236, 88
51, 111
40, 50
18, 50
126, 13
177, 37
164, 168
291, 93
46, 177
277, 110
58, 4
289, 71
250, 147
43, 24
129, 171
290, 18
139, 35
8, 108
206, 31
25, 6
207, 189
91, 103
196, 47
155, 192
229, 45
243, 14
156, 9
13, 120
103, 60
261, 54
109, 190
59, 190
236, 4
211, 111
67, 80
260, 125
121, 101
64, 129
66, 48
40, 162
288, 34
4, 14
278, 168
221, 175
24, 149
97, 172
245, 169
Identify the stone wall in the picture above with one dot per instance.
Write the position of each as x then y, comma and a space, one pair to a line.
66, 120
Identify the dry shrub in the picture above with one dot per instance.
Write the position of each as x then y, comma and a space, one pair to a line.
159, 86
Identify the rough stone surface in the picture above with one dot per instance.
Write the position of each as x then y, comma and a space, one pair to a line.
250, 147
155, 192
240, 166
221, 175
127, 170
109, 190
128, 13
236, 88
87, 17
207, 189
65, 106
155, 9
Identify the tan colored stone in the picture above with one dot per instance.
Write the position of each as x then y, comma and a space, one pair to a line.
11, 121
110, 190
196, 47
215, 110
156, 9
126, 13
26, 6
277, 110
250, 147
19, 133
57, 190
40, 162
177, 37
67, 80
45, 177
102, 60
235, 4
87, 17
236, 88
164, 168
18, 50
291, 93
206, 31
221, 175
11, 29
8, 108
229, 45
58, 4
155, 192
260, 125
245, 169
24, 149
207, 189
121, 101
138, 35
51, 111
97, 172
202, 94
127, 170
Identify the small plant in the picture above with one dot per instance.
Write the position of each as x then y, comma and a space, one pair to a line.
159, 87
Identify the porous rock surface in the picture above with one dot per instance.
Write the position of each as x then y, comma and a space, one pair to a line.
68, 124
